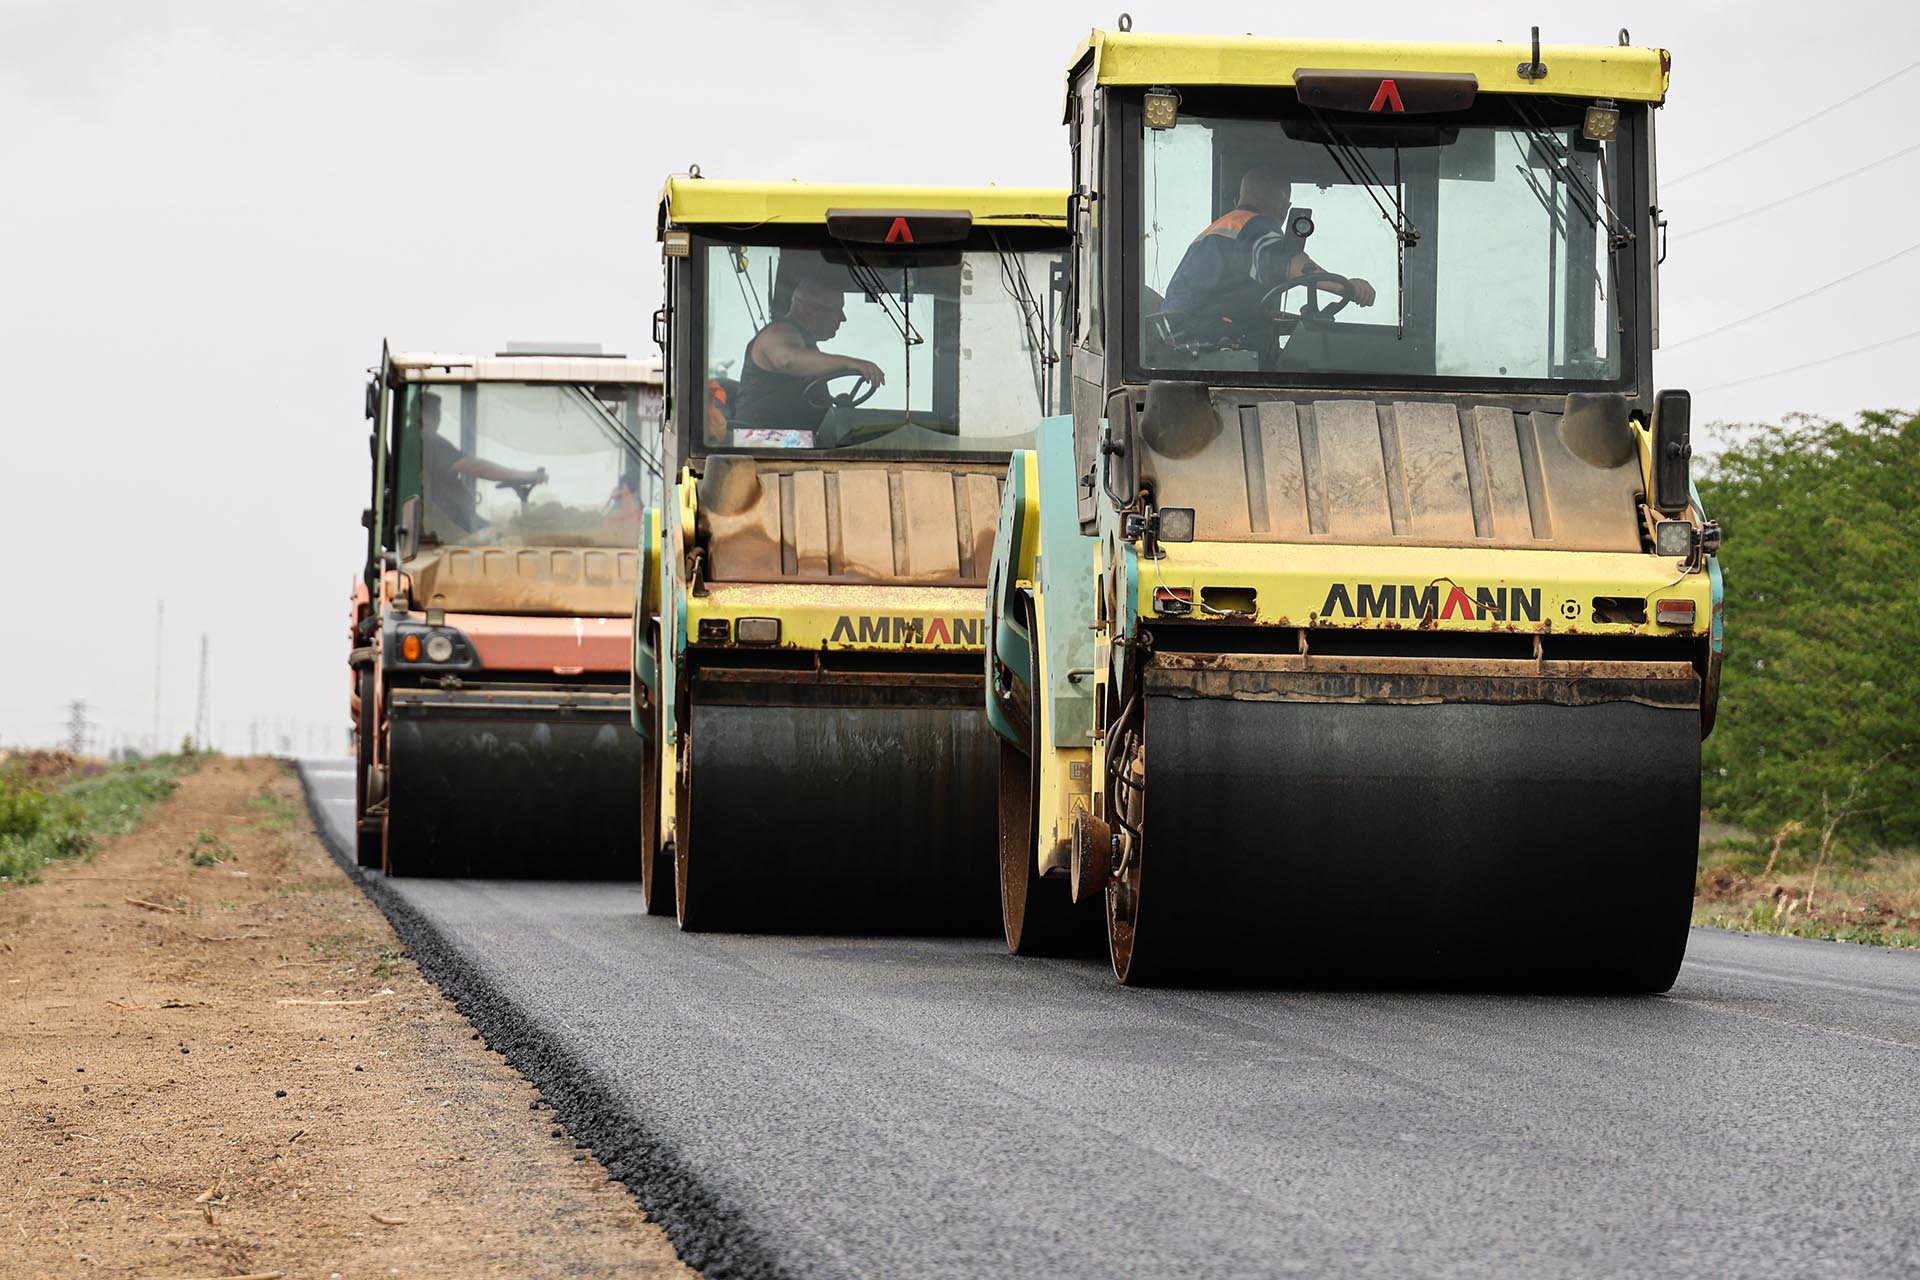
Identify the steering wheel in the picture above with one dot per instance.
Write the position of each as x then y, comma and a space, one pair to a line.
524, 488
1314, 281
816, 394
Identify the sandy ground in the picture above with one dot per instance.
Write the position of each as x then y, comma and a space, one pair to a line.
231, 1070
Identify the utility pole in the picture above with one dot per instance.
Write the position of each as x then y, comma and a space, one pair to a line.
159, 632
200, 702
77, 726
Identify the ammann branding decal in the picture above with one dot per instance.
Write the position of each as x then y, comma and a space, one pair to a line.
894, 628
1440, 601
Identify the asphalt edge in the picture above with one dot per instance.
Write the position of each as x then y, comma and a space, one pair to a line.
705, 1230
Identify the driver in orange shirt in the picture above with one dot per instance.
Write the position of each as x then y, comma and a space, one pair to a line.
785, 356
1217, 277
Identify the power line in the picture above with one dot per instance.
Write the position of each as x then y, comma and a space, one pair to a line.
1889, 158
1814, 364
1779, 306
1802, 121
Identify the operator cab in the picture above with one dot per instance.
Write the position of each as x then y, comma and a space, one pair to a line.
905, 333
547, 448
1495, 231
1490, 234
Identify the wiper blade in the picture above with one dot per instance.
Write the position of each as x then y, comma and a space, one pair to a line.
1592, 201
1540, 193
1357, 169
868, 277
619, 429
743, 280
1042, 354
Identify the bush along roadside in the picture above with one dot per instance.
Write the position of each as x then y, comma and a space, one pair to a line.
43, 818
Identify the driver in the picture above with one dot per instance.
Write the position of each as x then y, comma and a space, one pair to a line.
785, 356
447, 465
1216, 277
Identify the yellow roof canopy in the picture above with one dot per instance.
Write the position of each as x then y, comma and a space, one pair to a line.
1573, 70
688, 201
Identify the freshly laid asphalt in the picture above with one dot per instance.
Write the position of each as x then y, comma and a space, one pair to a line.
827, 1107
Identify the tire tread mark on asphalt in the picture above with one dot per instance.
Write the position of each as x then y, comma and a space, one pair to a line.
1872, 990
1742, 1011
706, 1230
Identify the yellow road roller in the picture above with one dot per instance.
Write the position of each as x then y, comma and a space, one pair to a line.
848, 370
1360, 623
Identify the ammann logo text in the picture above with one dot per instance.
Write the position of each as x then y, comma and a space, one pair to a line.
1410, 603
894, 628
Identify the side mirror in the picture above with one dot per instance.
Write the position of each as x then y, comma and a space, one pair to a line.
373, 398
406, 533
1672, 452
660, 328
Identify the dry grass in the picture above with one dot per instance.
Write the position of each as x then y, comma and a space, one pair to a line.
1777, 884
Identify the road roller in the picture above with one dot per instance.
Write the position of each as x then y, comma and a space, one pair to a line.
1360, 623
492, 624
848, 370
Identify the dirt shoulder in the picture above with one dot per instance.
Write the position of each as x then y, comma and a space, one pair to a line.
215, 1061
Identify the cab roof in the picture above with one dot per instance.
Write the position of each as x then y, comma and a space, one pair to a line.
1619, 72
686, 201
442, 366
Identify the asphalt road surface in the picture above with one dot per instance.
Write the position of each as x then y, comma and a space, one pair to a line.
886, 1107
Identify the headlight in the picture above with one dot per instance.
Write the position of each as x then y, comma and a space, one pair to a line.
757, 631
439, 648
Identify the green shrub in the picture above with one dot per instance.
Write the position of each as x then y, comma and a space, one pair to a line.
38, 825
208, 850
22, 808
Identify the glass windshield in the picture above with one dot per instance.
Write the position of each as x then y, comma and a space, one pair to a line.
924, 351
1324, 245
534, 464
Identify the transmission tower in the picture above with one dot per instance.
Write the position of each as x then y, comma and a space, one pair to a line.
77, 726
200, 702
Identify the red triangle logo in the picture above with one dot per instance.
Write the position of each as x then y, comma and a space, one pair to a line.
900, 232
1387, 98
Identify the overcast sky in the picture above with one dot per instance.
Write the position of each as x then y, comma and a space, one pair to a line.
212, 211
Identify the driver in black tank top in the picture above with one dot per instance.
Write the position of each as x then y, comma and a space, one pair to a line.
785, 356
